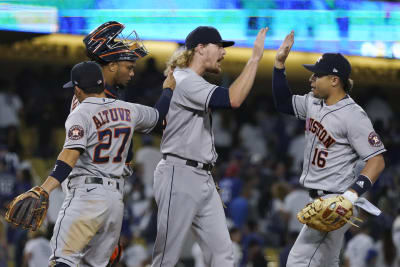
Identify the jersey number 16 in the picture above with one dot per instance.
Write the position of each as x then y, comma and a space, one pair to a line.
319, 157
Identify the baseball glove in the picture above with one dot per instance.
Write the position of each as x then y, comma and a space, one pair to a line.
29, 209
328, 214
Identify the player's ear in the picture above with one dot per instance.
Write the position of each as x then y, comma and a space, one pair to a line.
335, 80
112, 66
200, 49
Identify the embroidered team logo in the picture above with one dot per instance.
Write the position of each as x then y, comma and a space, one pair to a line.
76, 132
374, 140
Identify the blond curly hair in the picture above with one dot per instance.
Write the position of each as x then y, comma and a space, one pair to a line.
181, 59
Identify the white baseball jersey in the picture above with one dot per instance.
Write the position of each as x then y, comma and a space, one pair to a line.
103, 128
336, 137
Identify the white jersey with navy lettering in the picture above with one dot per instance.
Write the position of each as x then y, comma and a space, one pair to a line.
103, 129
337, 136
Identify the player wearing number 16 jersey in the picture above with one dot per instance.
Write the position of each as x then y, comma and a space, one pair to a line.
338, 133
98, 134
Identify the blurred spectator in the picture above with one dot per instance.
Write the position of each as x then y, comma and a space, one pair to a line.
4, 249
24, 179
135, 255
236, 237
147, 157
10, 111
387, 254
10, 159
284, 254
251, 235
8, 183
239, 207
146, 88
378, 108
292, 204
222, 128
277, 216
139, 205
356, 251
251, 137
37, 249
56, 199
296, 149
231, 185
256, 255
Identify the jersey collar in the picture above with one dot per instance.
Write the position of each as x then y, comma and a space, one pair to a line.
342, 102
97, 100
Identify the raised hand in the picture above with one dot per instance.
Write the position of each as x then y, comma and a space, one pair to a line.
258, 49
284, 50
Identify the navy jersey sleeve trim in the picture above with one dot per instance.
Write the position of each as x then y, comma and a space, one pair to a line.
220, 98
281, 92
206, 104
380, 151
75, 146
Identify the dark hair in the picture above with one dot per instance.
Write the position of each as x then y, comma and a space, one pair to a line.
347, 84
93, 90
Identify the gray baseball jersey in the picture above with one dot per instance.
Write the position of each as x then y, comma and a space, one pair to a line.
336, 137
191, 136
89, 222
104, 128
186, 196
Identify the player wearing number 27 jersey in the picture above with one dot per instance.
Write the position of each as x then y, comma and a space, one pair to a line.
98, 135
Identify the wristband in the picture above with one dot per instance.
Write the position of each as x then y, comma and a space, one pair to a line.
362, 185
61, 171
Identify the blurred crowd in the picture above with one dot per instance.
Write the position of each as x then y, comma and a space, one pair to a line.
260, 162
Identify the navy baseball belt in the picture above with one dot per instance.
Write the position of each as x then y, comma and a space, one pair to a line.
314, 193
192, 163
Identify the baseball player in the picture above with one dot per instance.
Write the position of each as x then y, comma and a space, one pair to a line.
183, 186
117, 57
338, 134
98, 134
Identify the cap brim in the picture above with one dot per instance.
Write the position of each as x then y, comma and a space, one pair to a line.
313, 68
69, 84
227, 43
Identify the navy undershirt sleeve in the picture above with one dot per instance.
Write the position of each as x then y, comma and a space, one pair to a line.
281, 92
162, 105
220, 99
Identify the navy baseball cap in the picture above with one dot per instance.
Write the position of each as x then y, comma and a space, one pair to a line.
331, 64
86, 74
205, 35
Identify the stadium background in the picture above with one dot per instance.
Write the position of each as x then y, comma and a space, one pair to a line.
260, 150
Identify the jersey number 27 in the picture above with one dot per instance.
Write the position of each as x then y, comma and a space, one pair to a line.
124, 132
